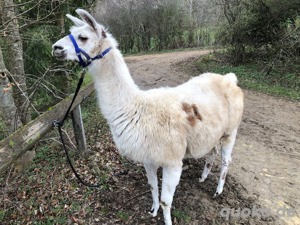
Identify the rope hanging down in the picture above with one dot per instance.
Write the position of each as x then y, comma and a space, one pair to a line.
59, 125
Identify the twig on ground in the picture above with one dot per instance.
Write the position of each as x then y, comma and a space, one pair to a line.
138, 195
70, 140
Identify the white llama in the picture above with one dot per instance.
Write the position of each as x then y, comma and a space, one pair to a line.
158, 127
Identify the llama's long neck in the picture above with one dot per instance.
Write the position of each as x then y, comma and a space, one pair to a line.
114, 85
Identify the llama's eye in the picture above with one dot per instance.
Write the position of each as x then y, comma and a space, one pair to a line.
82, 38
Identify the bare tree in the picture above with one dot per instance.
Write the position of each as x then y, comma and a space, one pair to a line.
158, 24
19, 101
7, 106
15, 64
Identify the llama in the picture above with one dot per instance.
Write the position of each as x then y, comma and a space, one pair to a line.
158, 127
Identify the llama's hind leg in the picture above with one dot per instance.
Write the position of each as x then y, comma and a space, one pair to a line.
209, 162
226, 150
151, 171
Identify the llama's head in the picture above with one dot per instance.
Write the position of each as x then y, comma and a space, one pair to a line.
86, 34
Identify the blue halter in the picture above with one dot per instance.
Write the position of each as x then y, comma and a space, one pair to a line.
86, 59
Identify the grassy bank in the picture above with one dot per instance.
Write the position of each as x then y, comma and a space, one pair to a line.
280, 81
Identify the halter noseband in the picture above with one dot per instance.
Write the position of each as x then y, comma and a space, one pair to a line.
86, 59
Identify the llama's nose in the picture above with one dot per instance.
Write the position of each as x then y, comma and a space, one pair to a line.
57, 47
57, 50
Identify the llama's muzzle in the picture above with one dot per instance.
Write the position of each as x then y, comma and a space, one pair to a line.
58, 52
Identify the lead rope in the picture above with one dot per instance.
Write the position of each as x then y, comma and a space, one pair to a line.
59, 125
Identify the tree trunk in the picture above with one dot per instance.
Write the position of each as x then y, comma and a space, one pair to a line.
9, 119
15, 64
7, 106
63, 76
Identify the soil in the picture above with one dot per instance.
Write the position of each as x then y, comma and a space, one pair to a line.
264, 172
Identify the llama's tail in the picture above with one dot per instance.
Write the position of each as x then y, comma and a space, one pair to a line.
231, 77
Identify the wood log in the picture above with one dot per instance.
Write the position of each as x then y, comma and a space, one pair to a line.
15, 145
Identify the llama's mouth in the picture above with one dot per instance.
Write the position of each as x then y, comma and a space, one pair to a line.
59, 55
61, 58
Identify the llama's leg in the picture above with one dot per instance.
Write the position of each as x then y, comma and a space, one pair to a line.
210, 158
151, 171
226, 150
171, 177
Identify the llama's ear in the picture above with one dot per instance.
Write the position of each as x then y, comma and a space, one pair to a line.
87, 18
75, 20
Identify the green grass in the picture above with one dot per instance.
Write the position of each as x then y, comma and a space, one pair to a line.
124, 216
180, 215
279, 82
153, 52
2, 214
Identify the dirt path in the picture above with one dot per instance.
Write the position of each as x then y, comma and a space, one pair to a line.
266, 158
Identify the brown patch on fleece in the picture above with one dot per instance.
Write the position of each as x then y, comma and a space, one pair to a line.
192, 112
186, 107
196, 112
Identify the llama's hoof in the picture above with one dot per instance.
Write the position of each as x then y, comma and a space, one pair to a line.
153, 213
216, 195
202, 179
154, 210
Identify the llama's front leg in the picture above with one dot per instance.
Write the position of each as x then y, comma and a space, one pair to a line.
210, 159
151, 171
171, 177
227, 146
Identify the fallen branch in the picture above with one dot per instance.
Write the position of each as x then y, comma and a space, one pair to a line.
15, 145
